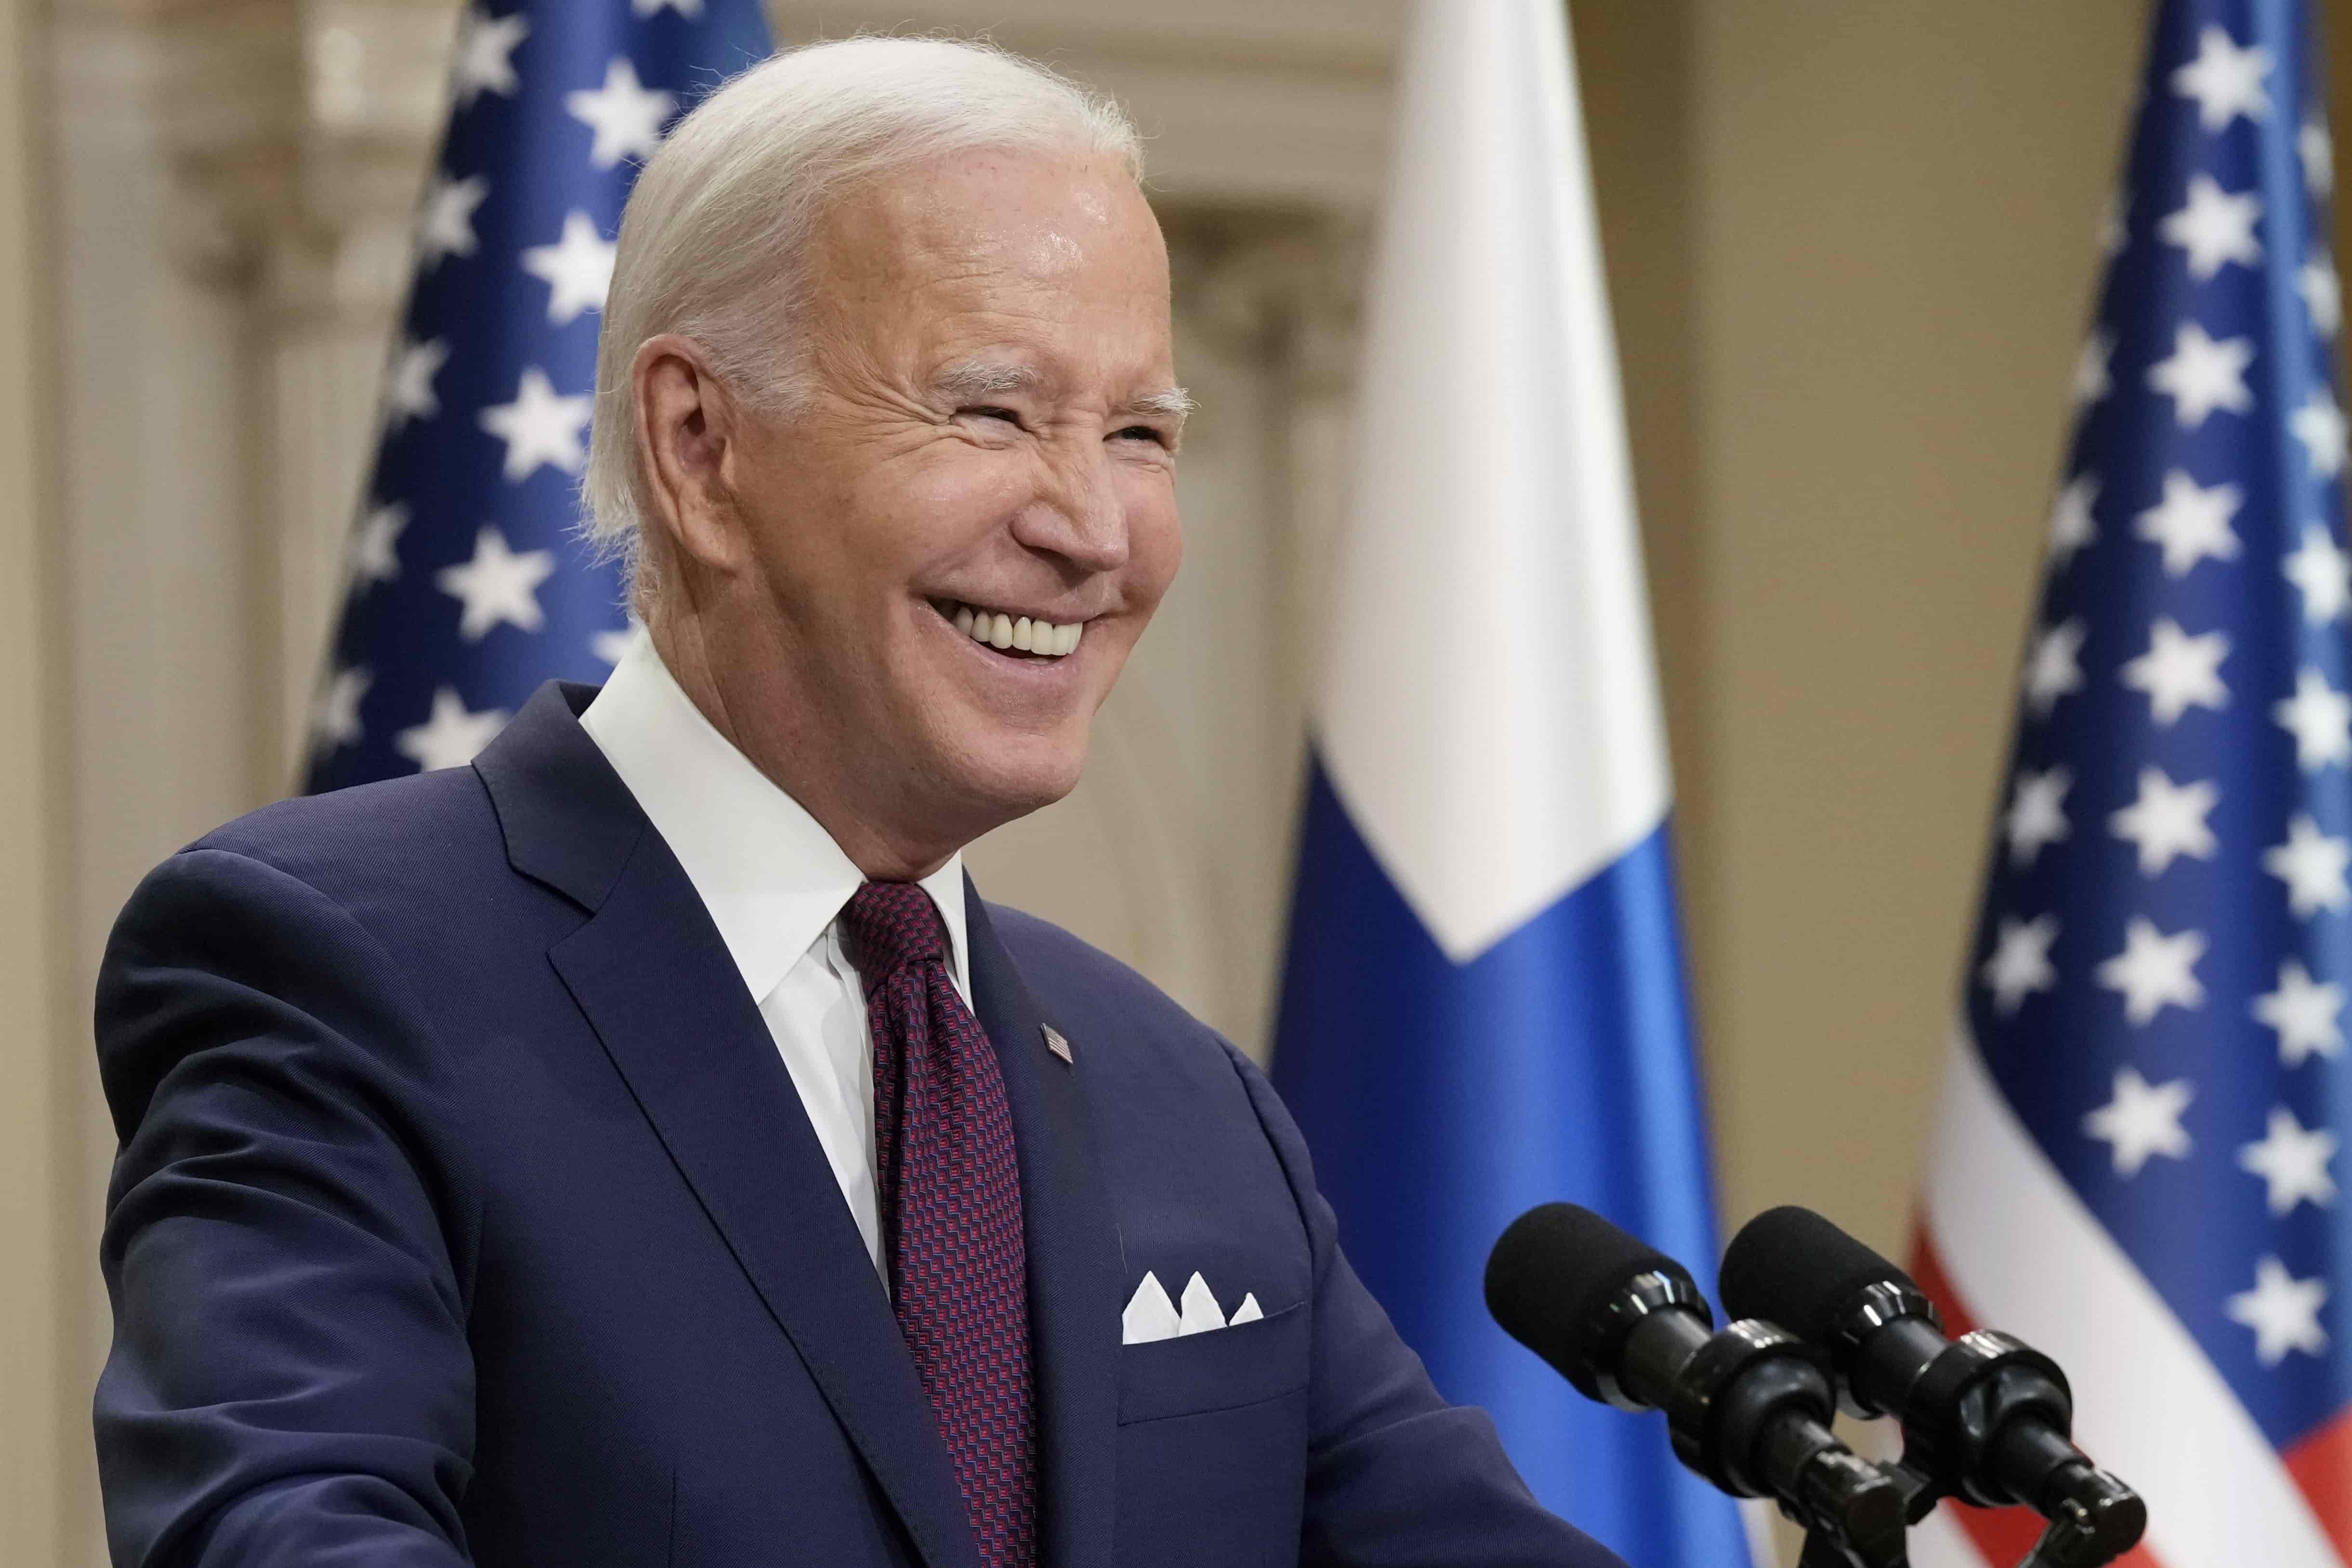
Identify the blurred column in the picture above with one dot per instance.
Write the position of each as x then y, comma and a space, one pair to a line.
155, 648
227, 206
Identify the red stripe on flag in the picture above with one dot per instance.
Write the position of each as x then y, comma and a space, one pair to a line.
2322, 1465
2007, 1535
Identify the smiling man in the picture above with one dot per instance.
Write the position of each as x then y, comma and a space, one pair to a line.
643, 1146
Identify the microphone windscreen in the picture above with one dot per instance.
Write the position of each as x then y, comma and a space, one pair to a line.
1550, 1274
1791, 1267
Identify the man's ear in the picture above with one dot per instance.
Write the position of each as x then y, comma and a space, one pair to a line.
687, 424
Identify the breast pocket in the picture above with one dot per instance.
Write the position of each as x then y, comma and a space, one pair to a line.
1222, 1369
1213, 1446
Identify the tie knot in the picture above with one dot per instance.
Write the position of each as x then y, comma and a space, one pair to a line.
887, 925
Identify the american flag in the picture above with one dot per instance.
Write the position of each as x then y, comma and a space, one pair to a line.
2136, 1166
466, 586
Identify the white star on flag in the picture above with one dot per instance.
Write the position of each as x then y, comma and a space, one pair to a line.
2282, 1310
2050, 670
2225, 81
541, 427
2168, 821
2323, 295
496, 585
2143, 1120
690, 9
2306, 1015
577, 268
2319, 425
610, 646
2091, 380
2317, 151
2019, 964
374, 554
627, 116
408, 382
2178, 671
452, 737
2293, 1160
485, 55
2203, 375
2155, 971
2323, 573
2037, 816
445, 223
2191, 523
2214, 227
2312, 865
2319, 717
2071, 528
2113, 232
335, 719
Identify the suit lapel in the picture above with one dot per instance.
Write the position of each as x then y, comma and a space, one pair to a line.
1073, 1246
653, 977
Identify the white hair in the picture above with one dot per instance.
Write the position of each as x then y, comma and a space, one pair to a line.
715, 233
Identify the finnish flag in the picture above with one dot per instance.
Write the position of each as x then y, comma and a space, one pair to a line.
1483, 1006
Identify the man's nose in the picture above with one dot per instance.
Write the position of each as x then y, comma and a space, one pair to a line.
1077, 513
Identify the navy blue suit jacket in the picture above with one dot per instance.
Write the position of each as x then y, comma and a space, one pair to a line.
465, 1212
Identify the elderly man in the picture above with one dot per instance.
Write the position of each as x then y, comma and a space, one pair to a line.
642, 1146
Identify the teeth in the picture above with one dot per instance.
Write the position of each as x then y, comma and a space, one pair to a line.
1021, 635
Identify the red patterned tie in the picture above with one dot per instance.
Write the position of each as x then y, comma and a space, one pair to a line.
950, 1202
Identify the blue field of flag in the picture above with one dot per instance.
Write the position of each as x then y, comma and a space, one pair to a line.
467, 588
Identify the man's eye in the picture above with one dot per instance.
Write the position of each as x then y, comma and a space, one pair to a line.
1142, 432
984, 411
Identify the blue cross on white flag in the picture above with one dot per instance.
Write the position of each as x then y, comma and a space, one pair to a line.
467, 588
1483, 1006
2137, 1164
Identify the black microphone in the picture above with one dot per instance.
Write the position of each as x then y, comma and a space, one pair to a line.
1985, 1416
1748, 1408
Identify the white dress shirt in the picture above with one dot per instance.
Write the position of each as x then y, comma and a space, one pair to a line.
774, 882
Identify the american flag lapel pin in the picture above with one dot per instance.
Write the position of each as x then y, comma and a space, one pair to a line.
1056, 1042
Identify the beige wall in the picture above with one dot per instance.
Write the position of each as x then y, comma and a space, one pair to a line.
1851, 251
40, 1266
1894, 209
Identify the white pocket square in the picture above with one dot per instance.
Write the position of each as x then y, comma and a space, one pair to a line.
1151, 1316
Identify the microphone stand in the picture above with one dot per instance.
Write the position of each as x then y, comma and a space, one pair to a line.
2080, 1534
2078, 1537
1826, 1547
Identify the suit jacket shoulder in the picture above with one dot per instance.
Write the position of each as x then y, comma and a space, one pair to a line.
436, 823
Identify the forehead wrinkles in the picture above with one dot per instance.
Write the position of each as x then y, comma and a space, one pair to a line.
993, 217
938, 254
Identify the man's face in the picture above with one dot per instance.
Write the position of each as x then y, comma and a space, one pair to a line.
989, 430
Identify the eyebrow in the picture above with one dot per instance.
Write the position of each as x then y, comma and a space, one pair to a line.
994, 377
1175, 403
984, 378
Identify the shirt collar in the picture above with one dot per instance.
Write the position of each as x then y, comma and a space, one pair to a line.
770, 875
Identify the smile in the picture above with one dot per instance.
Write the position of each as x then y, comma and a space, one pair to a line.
1014, 633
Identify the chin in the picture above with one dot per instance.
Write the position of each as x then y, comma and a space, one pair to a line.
1008, 776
